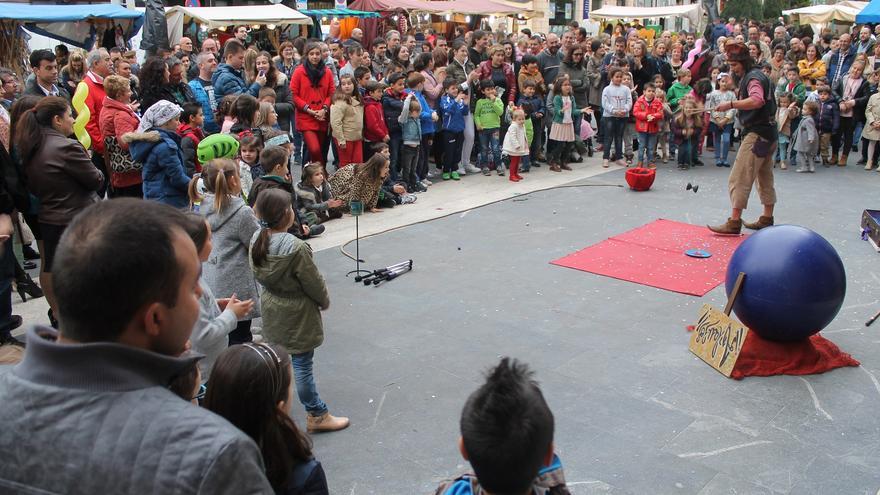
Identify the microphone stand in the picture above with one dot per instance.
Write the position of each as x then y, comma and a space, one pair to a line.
357, 209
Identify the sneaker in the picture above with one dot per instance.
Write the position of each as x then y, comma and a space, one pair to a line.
420, 188
446, 176
486, 171
316, 230
800, 170
698, 163
461, 171
433, 174
682, 166
325, 422
471, 169
426, 183
500, 171
783, 165
605, 164
406, 199
455, 176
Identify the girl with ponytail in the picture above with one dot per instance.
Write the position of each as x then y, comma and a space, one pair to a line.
232, 225
293, 296
59, 173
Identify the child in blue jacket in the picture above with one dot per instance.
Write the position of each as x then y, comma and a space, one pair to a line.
454, 105
411, 131
535, 109
415, 83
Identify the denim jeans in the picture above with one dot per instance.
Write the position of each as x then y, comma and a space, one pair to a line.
394, 144
490, 145
613, 132
306, 389
781, 149
721, 141
647, 141
685, 150
297, 140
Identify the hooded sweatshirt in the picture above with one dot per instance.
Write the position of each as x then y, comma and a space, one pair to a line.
226, 272
293, 294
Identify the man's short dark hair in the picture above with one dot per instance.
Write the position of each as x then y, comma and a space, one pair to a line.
507, 429
38, 56
115, 258
232, 47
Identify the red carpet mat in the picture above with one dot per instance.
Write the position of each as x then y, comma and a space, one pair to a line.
653, 255
760, 357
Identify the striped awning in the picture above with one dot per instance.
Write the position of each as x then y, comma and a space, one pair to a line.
339, 13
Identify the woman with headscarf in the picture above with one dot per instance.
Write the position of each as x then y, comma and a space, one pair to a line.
311, 87
60, 174
164, 175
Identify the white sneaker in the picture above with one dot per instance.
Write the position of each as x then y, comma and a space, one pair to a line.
426, 183
461, 171
408, 199
470, 169
433, 174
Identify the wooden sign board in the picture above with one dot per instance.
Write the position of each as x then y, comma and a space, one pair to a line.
718, 339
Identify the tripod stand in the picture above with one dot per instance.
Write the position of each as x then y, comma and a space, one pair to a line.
357, 209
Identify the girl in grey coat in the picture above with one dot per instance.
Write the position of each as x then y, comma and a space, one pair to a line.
806, 141
233, 223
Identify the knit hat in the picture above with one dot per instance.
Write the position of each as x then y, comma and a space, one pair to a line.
737, 52
159, 114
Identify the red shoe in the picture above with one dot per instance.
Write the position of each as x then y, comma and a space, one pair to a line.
514, 172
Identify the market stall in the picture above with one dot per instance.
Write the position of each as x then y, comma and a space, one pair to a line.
843, 12
78, 25
870, 13
209, 18
692, 13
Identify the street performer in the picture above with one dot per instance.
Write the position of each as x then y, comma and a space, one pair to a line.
754, 160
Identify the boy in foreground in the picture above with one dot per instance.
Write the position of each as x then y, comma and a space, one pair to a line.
507, 436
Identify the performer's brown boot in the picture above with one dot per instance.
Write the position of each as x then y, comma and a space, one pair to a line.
760, 224
842, 162
731, 227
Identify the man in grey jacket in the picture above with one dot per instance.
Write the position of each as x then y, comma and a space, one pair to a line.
88, 410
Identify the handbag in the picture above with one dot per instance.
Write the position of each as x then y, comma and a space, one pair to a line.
120, 159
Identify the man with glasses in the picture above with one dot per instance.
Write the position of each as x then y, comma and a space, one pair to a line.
9, 87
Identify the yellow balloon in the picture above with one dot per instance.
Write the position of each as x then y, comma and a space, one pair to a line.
83, 115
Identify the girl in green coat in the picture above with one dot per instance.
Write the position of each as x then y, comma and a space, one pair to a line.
294, 294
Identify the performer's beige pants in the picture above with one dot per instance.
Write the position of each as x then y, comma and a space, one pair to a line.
749, 169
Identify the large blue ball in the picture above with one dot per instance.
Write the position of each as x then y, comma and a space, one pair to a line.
794, 285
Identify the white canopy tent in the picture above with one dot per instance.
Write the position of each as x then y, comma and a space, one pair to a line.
693, 12
845, 11
218, 17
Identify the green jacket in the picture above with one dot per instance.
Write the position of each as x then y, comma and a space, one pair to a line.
676, 92
558, 112
487, 114
293, 294
530, 131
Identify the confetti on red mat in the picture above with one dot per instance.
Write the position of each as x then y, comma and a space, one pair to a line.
653, 255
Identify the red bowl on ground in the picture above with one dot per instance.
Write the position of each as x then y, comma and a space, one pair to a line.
640, 179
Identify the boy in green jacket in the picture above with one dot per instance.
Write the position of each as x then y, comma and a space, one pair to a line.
487, 119
679, 89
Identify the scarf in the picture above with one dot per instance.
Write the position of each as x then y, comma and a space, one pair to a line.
314, 72
160, 113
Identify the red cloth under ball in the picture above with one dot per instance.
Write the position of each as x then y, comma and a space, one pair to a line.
762, 357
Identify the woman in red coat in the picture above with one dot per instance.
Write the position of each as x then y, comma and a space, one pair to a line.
116, 122
500, 72
311, 87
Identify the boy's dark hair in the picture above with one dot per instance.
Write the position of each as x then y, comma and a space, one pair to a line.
360, 72
103, 242
232, 47
529, 84
649, 85
449, 82
38, 56
823, 89
507, 429
486, 84
394, 77
190, 110
271, 157
528, 58
527, 109
373, 86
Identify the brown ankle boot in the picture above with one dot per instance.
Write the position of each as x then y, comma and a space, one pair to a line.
760, 224
842, 161
325, 422
833, 160
731, 227
555, 168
